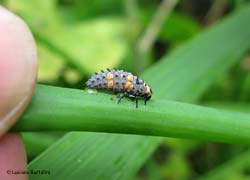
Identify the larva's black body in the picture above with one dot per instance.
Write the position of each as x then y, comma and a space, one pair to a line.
120, 81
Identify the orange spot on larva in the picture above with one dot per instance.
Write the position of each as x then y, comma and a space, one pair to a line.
110, 84
130, 77
110, 76
128, 85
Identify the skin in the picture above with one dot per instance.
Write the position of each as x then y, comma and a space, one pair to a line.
18, 69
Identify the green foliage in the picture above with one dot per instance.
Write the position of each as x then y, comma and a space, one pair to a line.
175, 77
191, 68
34, 147
237, 168
77, 42
76, 38
49, 73
179, 28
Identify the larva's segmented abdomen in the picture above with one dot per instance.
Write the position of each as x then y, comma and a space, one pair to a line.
98, 81
119, 81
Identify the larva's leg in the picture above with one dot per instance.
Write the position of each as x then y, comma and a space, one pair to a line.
136, 101
145, 101
132, 97
120, 97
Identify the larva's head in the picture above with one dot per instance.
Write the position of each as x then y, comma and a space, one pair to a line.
148, 92
144, 90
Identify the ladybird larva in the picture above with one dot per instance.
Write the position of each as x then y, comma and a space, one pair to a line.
120, 81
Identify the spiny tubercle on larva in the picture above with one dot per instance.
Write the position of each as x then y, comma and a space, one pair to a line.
120, 81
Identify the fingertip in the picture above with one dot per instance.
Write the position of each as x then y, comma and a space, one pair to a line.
18, 68
12, 157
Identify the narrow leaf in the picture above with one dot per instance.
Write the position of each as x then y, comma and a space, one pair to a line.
61, 109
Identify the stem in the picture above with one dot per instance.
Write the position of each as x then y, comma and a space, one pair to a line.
216, 11
59, 109
150, 35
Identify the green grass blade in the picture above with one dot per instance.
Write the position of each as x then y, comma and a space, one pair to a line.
60, 109
176, 79
34, 147
192, 67
84, 162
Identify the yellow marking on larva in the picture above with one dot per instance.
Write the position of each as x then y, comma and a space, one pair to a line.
110, 76
130, 77
148, 90
110, 84
128, 85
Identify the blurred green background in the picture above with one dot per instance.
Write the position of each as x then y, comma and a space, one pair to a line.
76, 38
